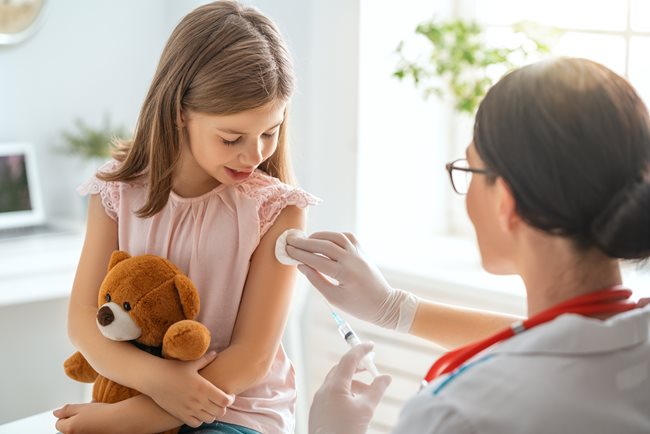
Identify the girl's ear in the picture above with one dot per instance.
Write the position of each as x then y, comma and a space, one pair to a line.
506, 206
180, 119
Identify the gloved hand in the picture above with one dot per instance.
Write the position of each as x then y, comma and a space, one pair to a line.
362, 290
343, 405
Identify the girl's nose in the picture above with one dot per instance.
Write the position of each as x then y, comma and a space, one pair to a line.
253, 154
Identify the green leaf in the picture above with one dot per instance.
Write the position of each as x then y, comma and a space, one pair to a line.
90, 142
461, 60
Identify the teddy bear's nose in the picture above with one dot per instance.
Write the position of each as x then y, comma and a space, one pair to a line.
105, 316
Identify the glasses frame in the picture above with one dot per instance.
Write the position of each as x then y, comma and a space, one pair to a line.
451, 167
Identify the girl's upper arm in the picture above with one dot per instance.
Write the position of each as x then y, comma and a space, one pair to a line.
268, 291
100, 241
118, 361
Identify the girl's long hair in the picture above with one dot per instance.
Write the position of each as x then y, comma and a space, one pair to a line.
222, 58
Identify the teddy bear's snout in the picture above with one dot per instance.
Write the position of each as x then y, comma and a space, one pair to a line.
115, 323
105, 316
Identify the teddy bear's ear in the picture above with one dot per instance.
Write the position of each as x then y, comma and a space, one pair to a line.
117, 257
189, 296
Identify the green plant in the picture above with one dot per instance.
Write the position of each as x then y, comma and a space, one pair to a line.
91, 143
461, 62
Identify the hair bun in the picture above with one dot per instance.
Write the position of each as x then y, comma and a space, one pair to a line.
622, 229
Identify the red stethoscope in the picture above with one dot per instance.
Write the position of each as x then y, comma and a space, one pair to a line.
603, 302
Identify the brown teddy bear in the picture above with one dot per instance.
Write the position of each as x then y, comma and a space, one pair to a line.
146, 300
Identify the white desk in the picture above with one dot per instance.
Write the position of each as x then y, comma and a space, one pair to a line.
37, 268
42, 423
36, 275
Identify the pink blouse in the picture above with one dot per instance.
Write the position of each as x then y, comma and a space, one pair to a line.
212, 238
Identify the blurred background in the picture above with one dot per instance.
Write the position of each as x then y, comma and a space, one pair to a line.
385, 96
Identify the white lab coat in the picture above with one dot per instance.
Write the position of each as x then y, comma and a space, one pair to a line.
569, 376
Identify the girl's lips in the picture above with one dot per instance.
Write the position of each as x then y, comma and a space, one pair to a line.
238, 175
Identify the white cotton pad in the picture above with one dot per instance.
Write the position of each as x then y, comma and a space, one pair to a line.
281, 246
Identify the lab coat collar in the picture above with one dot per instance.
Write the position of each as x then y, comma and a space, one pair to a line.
572, 334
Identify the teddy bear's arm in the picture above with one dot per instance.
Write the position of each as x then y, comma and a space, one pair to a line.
186, 340
78, 368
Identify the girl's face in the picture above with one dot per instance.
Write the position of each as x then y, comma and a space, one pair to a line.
485, 208
229, 148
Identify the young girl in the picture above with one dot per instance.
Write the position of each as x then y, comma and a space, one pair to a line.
204, 184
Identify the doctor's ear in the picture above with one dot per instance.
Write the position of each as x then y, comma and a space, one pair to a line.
506, 206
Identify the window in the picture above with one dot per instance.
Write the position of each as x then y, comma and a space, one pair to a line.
405, 140
615, 33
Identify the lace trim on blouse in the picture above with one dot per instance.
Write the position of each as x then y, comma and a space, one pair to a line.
108, 191
272, 196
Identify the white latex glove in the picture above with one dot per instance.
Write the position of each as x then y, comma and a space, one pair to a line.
343, 405
362, 290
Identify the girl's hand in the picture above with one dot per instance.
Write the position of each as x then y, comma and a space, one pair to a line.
95, 418
179, 389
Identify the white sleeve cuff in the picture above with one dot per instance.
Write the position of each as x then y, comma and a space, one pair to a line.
407, 308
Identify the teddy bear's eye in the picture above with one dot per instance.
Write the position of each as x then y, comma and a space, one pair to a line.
127, 306
108, 297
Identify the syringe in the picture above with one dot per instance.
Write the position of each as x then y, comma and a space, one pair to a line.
345, 330
353, 340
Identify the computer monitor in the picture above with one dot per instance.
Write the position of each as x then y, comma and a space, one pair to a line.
20, 191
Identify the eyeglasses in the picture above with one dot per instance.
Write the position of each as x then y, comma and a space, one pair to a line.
460, 174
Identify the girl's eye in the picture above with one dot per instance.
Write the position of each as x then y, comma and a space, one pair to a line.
108, 297
231, 142
270, 134
127, 306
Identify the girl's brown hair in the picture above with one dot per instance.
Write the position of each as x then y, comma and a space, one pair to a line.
222, 58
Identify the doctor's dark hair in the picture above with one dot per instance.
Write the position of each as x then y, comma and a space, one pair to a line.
572, 140
222, 58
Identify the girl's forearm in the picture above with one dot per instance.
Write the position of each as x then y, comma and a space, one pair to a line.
452, 326
143, 415
238, 368
118, 361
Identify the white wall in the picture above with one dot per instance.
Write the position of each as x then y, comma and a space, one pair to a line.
88, 58
323, 39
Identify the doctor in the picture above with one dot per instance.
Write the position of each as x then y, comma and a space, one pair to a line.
557, 180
